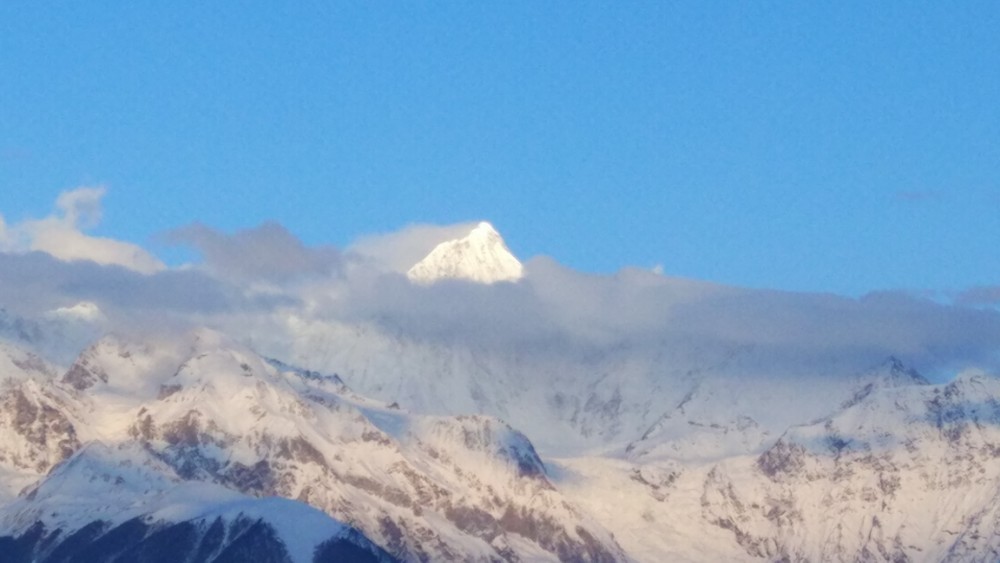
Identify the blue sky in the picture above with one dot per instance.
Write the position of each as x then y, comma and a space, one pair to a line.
836, 146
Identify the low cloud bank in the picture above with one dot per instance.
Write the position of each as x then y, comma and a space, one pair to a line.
261, 277
653, 315
980, 296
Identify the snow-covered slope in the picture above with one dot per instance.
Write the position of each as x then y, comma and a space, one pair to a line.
123, 504
58, 335
204, 410
720, 419
197, 442
906, 471
481, 256
698, 403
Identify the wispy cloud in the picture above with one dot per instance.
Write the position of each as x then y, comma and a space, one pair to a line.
62, 235
563, 313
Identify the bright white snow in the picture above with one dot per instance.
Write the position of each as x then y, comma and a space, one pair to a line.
481, 256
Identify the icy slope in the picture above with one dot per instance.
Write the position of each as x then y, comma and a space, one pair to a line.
677, 401
199, 441
481, 256
719, 419
905, 472
206, 410
122, 504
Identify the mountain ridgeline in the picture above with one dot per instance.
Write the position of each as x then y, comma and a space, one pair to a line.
192, 445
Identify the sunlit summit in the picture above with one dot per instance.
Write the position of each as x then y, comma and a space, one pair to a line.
481, 256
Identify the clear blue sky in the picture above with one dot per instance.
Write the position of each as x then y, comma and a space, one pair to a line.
829, 146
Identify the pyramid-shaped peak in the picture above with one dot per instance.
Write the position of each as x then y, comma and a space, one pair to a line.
484, 228
481, 256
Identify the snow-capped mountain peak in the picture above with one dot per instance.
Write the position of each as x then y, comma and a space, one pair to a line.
481, 256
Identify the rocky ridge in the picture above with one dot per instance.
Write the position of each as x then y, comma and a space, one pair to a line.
209, 411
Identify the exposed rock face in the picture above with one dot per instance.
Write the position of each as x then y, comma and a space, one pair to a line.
82, 376
424, 488
855, 485
35, 430
206, 447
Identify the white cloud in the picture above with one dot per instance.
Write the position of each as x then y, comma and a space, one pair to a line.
81, 207
84, 311
61, 235
69, 244
3, 234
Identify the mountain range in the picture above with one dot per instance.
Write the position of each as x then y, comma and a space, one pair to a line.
364, 442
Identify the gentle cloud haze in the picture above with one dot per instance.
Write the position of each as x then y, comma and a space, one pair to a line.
264, 285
